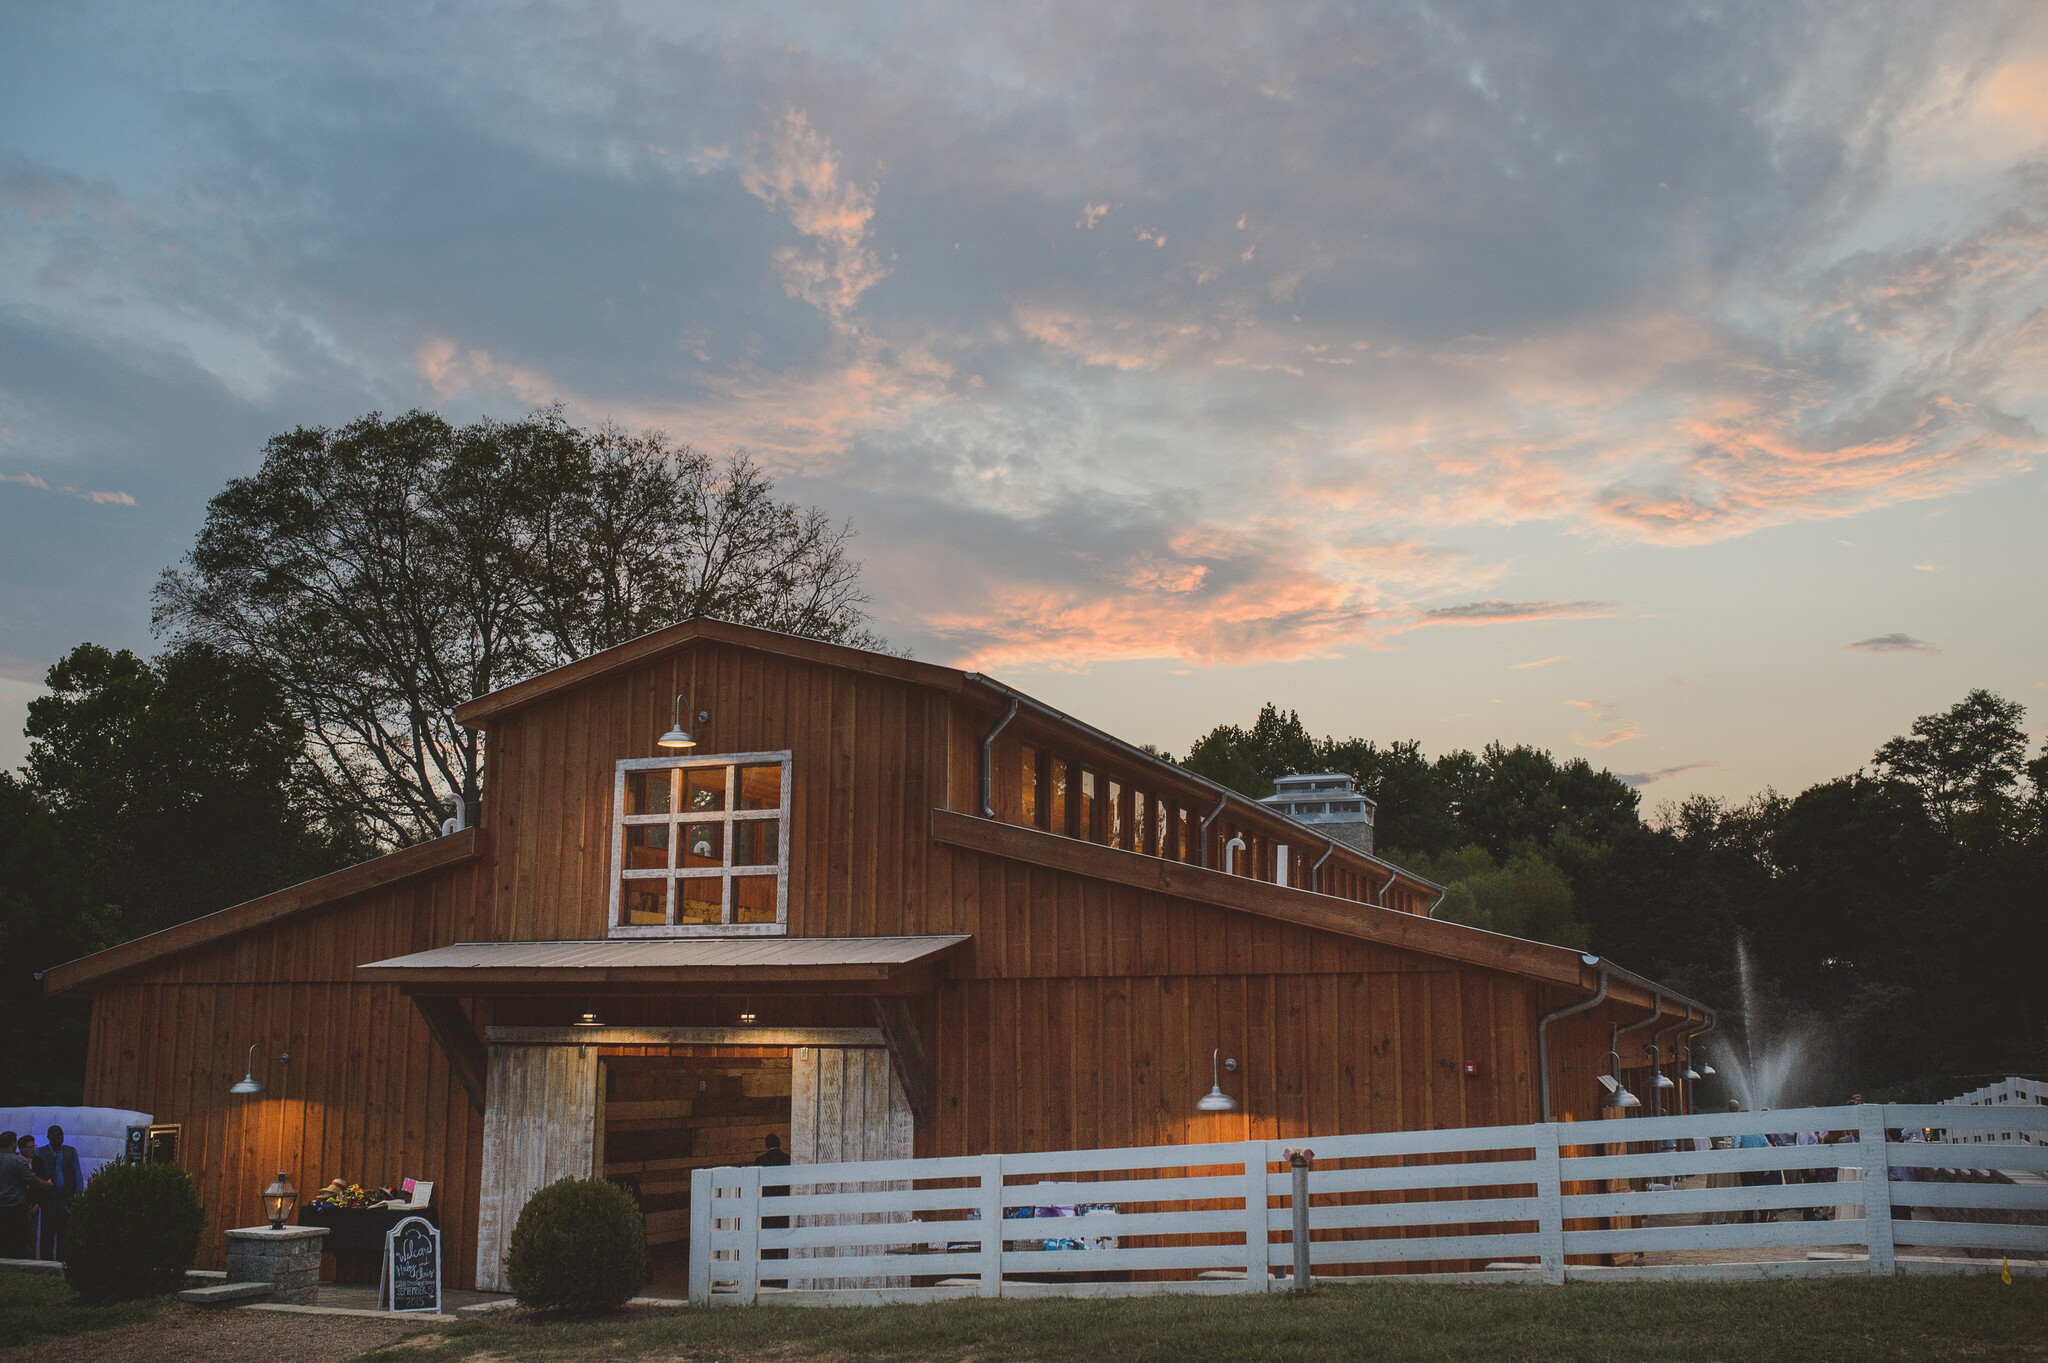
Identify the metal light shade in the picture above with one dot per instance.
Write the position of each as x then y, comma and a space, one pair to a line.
1707, 1070
1664, 1081
250, 1083
1626, 1099
677, 736
1215, 1100
1692, 1073
279, 1199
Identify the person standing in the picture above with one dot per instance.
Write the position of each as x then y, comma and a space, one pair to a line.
774, 1157
26, 1146
19, 1188
1754, 1178
66, 1182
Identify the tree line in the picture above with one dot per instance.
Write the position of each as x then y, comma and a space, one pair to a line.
1895, 917
337, 605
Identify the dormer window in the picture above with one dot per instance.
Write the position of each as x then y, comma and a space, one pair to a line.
700, 846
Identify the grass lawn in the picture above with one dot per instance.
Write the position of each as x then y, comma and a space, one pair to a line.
38, 1305
1799, 1322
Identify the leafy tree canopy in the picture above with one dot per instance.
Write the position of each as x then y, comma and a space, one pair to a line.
384, 573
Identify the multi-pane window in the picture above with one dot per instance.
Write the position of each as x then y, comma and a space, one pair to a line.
699, 846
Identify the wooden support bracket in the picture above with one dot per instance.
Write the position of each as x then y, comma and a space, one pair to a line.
906, 1053
451, 1027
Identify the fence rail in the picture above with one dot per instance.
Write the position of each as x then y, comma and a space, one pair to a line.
1546, 1202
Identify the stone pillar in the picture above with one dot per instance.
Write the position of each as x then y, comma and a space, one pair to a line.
287, 1258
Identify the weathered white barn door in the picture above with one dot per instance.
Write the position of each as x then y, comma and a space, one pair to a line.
540, 1125
847, 1104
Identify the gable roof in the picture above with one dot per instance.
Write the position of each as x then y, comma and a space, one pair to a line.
451, 850
480, 712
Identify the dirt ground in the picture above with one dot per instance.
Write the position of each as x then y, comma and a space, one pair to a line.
196, 1334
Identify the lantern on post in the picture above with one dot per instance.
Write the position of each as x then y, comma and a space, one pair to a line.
279, 1199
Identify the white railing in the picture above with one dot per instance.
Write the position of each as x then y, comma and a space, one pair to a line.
1546, 1202
2026, 1092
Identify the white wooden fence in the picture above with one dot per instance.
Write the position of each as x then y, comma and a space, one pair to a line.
1545, 1202
2026, 1092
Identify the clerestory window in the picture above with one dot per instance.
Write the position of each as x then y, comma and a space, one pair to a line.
700, 846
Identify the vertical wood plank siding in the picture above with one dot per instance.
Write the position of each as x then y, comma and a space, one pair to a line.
1082, 1014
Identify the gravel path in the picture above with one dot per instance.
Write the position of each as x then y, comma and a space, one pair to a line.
196, 1334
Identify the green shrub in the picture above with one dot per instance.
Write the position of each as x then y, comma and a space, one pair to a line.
580, 1247
133, 1232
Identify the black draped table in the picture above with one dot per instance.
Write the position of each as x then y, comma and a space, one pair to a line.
356, 1235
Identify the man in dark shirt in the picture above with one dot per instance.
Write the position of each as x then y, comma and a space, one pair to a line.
61, 1163
19, 1189
774, 1156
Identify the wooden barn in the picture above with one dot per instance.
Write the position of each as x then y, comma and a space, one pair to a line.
877, 908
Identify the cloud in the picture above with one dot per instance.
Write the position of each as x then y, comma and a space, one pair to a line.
1539, 662
1607, 713
1639, 779
1892, 643
1509, 612
96, 498
793, 168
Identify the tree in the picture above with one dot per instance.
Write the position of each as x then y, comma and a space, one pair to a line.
46, 916
174, 785
1965, 762
384, 573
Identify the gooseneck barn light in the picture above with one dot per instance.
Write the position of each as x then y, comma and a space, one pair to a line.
1216, 1100
249, 1082
678, 737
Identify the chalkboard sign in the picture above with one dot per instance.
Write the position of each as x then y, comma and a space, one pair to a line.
412, 1267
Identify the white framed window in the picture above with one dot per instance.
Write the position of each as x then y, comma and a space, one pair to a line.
700, 846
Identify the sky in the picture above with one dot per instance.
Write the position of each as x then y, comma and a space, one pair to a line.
1658, 384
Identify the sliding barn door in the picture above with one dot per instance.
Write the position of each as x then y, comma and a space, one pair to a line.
540, 1125
846, 1104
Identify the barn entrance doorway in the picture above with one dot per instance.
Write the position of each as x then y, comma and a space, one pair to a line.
649, 1105
693, 1108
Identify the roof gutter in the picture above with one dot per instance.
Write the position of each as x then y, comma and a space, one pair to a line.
1543, 1026
1139, 756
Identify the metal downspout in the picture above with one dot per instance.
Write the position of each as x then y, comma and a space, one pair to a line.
1656, 1049
1656, 1011
1214, 815
1543, 1030
1315, 872
1712, 1020
988, 776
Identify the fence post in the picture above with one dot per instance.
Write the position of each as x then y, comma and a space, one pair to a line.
991, 1225
750, 1234
700, 1237
1258, 1274
1877, 1190
1304, 1275
1550, 1204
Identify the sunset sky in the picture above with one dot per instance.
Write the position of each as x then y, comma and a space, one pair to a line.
1659, 384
